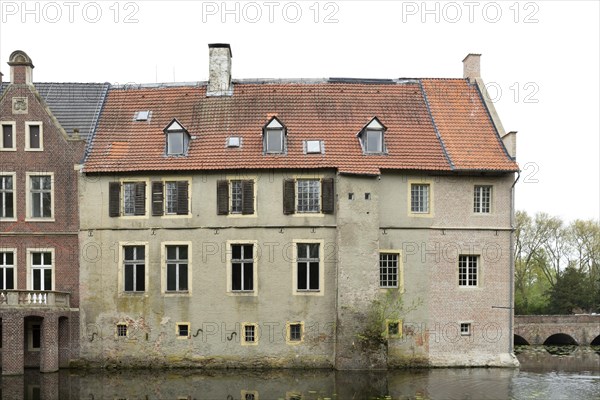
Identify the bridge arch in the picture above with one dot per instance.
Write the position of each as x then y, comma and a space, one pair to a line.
520, 340
596, 341
560, 339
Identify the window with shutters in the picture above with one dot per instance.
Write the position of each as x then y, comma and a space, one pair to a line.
7, 268
308, 196
176, 262
34, 138
132, 267
40, 269
171, 197
308, 267
274, 137
236, 197
242, 268
372, 137
127, 198
8, 139
7, 197
40, 200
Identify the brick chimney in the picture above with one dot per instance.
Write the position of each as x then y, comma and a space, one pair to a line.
219, 70
21, 68
471, 69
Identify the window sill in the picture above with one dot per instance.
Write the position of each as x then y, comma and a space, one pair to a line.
308, 292
2, 219
26, 149
173, 216
33, 219
8, 149
308, 214
242, 293
182, 293
420, 214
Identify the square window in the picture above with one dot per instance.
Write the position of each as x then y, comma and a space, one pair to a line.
234, 141
482, 199
393, 328
295, 332
313, 147
419, 198
121, 330
468, 270
350, 196
183, 330
367, 196
388, 270
142, 115
249, 334
465, 329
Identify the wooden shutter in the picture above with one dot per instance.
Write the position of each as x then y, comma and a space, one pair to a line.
222, 197
114, 194
289, 196
248, 197
157, 198
327, 196
140, 198
182, 198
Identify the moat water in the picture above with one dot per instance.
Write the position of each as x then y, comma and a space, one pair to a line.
559, 372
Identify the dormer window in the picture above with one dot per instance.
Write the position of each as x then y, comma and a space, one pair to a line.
371, 137
274, 137
178, 139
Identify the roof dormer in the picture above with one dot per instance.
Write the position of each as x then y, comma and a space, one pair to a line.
372, 138
274, 137
177, 139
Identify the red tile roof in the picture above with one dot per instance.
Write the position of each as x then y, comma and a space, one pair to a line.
333, 112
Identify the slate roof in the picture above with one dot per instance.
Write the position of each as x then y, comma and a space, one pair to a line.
432, 125
75, 105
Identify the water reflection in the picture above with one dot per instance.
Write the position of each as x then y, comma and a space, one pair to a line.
542, 375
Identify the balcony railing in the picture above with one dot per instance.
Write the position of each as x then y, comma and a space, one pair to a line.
34, 298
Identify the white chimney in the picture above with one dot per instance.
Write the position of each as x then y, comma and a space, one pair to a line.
471, 66
219, 70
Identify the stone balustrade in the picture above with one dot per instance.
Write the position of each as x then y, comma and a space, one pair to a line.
34, 298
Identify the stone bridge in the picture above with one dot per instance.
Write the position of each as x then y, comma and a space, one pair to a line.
557, 329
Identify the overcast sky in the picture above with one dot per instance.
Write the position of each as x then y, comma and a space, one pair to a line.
540, 60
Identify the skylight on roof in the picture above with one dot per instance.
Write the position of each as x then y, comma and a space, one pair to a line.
142, 115
313, 146
234, 141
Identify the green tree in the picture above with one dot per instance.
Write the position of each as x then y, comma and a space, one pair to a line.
571, 293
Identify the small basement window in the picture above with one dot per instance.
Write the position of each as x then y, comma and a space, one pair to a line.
142, 115
183, 330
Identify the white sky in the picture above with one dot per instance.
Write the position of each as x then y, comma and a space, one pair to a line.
540, 58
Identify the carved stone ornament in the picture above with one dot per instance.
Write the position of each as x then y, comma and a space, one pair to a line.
19, 105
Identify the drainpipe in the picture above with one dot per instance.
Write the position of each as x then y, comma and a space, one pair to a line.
512, 263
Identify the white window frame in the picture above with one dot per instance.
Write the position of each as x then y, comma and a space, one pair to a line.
468, 325
29, 200
12, 175
121, 267
243, 340
426, 214
164, 269
399, 269
468, 278
303, 292
379, 132
13, 266
229, 267
298, 197
30, 267
28, 126
14, 136
479, 199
